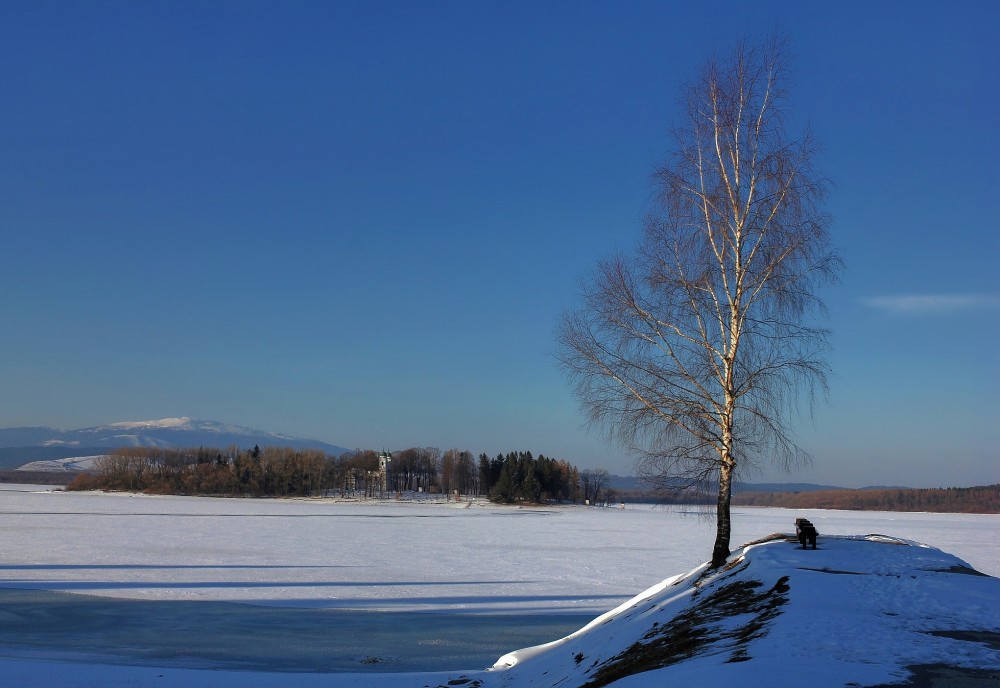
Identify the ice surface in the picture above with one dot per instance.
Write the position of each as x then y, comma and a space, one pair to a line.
447, 559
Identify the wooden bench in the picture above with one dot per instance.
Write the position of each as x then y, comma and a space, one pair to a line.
805, 532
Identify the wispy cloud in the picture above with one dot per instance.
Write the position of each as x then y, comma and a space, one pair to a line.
919, 304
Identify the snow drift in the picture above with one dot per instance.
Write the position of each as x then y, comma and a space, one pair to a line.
862, 611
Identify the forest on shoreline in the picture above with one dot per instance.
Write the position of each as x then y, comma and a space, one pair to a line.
283, 472
969, 500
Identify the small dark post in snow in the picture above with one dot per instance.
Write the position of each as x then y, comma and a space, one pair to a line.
805, 531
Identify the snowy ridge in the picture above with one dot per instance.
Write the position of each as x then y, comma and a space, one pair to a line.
163, 433
162, 423
67, 465
780, 610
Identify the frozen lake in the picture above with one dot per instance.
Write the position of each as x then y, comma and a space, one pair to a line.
323, 586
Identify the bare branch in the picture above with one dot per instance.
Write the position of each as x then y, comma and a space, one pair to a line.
694, 351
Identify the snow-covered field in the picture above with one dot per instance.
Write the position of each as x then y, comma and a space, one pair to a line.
71, 464
352, 588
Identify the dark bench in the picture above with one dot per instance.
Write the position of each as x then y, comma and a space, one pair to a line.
805, 532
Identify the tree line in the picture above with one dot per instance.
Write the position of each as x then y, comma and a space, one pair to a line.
518, 476
285, 472
257, 472
979, 500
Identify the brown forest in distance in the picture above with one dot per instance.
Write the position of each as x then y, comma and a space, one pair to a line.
968, 500
285, 472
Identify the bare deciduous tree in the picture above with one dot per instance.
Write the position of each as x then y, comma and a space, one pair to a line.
693, 351
595, 483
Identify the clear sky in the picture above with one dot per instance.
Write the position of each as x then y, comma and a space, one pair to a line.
359, 222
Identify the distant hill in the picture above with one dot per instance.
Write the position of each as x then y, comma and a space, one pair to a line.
22, 445
983, 499
632, 484
782, 487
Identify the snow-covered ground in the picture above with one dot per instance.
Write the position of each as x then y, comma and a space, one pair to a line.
71, 464
422, 578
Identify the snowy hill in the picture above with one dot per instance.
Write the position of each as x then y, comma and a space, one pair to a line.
858, 611
166, 432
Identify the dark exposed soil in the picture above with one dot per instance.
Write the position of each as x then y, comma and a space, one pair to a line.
698, 630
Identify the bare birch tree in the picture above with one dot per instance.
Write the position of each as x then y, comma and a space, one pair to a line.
694, 350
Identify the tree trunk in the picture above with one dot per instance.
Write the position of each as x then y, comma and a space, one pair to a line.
720, 553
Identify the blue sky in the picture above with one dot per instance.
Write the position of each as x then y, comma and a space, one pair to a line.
359, 222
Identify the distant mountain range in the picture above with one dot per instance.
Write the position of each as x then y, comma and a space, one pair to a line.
22, 445
625, 483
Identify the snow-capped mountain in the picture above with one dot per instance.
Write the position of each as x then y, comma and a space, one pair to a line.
166, 432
